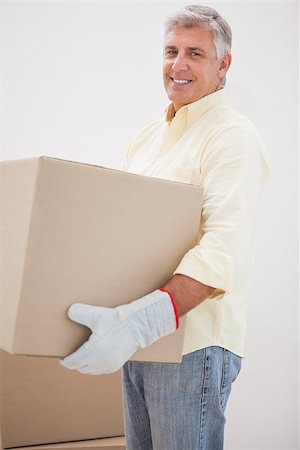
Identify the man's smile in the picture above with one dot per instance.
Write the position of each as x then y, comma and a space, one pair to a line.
176, 81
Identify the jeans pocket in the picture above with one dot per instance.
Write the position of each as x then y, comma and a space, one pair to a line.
230, 369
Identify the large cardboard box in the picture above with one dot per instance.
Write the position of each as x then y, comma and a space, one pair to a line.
75, 232
41, 402
116, 443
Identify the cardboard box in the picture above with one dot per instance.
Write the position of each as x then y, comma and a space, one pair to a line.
116, 443
41, 402
76, 232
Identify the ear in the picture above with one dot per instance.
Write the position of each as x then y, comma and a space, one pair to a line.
224, 65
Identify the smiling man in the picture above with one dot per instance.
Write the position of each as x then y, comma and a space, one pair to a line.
201, 140
191, 68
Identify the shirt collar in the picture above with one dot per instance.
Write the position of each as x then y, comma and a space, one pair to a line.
193, 111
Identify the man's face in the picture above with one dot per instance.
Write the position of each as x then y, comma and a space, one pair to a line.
191, 69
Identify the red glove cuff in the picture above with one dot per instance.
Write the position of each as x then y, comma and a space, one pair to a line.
174, 306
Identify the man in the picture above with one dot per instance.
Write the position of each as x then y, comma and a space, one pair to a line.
203, 141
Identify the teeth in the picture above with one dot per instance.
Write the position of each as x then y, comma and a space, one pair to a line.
181, 81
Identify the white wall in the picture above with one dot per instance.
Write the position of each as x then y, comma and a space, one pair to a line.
80, 78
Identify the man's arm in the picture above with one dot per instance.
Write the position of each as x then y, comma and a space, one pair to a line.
232, 175
187, 292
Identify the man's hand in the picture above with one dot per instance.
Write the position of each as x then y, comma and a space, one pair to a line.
117, 333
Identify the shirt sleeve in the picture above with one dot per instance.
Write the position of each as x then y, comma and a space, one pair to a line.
125, 162
137, 142
234, 169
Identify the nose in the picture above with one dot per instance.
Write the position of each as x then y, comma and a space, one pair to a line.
180, 63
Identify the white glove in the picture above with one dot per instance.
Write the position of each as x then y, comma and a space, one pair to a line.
117, 333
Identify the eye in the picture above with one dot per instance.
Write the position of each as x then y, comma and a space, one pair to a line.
171, 52
196, 54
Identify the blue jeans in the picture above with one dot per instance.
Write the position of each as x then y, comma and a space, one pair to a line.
179, 406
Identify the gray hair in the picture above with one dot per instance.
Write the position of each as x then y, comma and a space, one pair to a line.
203, 17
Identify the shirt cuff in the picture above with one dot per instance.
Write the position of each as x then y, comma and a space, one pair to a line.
209, 267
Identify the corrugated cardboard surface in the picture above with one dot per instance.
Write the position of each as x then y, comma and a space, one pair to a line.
41, 402
115, 443
75, 232
16, 198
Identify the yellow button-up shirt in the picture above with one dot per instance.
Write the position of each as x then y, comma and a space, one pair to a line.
208, 143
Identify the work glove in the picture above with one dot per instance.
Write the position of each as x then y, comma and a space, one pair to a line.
117, 333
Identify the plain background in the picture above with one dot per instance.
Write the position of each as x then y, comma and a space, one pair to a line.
79, 79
